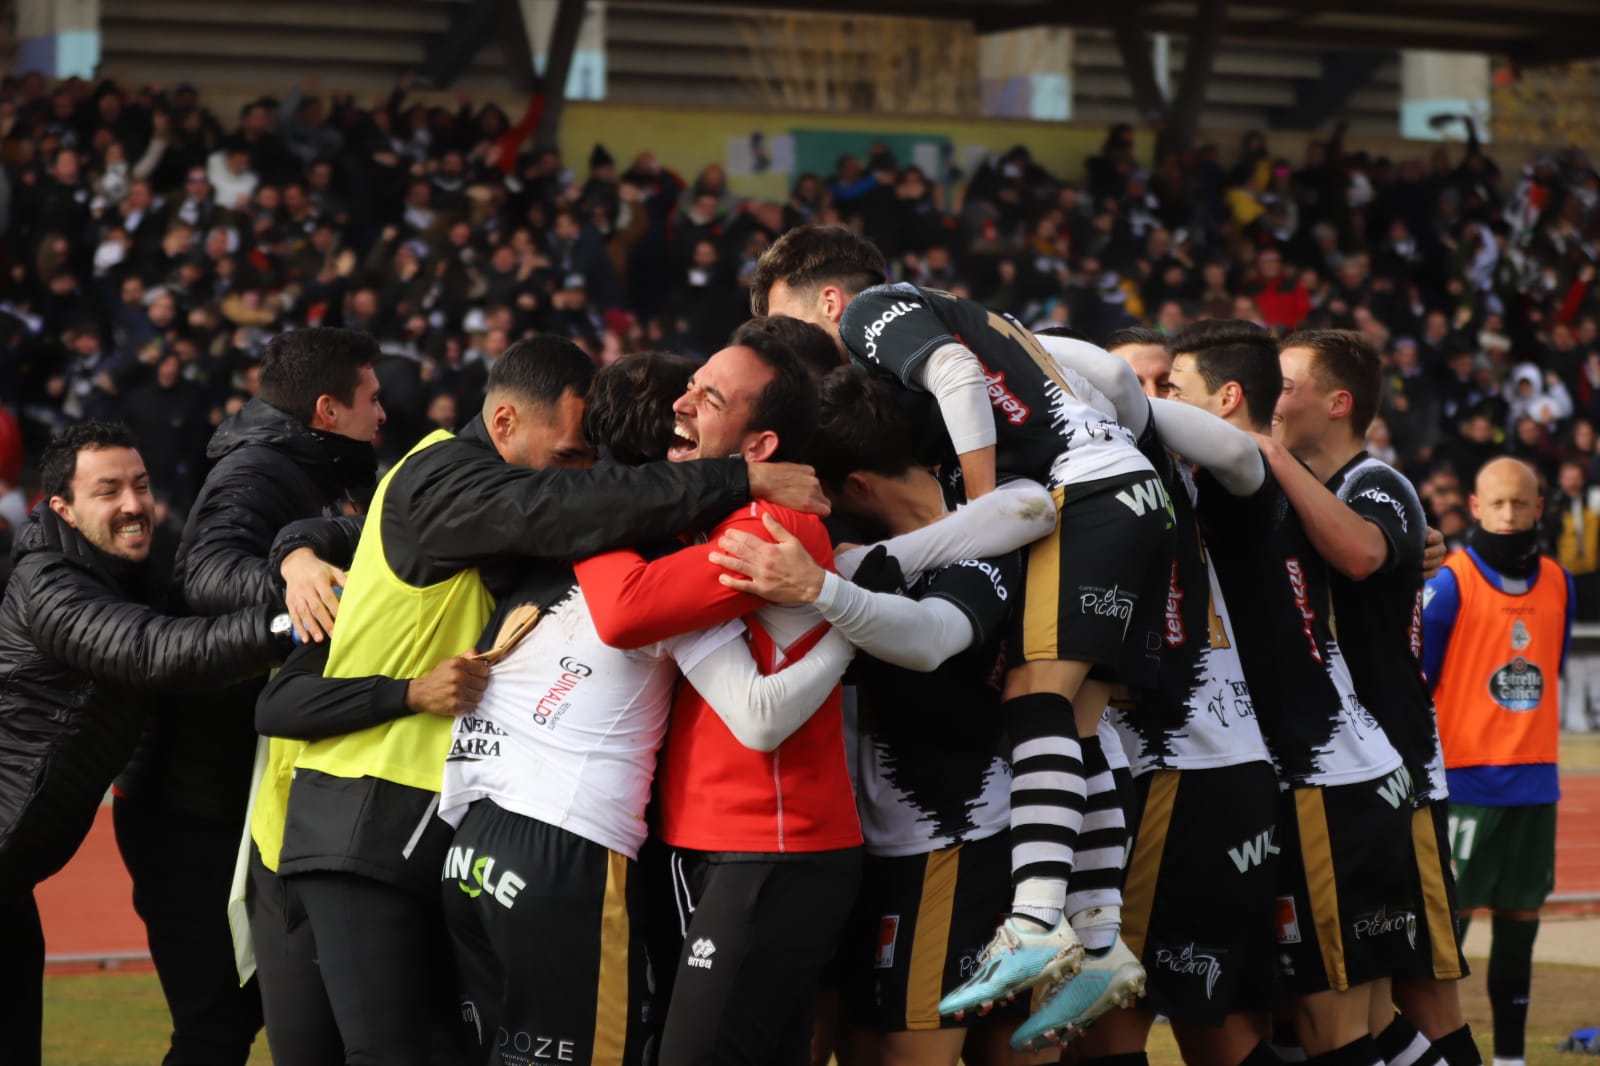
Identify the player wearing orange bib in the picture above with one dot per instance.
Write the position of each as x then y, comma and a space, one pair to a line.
1496, 623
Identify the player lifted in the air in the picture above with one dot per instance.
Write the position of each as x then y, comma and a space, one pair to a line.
1092, 600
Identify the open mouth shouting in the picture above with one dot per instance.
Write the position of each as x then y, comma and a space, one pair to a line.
685, 445
131, 532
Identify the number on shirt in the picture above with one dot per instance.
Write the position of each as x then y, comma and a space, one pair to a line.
1462, 833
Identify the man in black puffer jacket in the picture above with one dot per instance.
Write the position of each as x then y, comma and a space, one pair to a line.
301, 449
81, 643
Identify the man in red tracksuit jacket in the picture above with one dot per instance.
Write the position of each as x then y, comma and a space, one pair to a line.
764, 846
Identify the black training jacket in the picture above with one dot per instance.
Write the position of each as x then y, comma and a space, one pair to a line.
80, 654
195, 755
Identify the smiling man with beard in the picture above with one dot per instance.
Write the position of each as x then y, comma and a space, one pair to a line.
80, 636
764, 845
550, 768
301, 449
348, 819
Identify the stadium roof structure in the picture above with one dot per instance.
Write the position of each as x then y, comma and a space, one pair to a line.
1351, 34
1526, 31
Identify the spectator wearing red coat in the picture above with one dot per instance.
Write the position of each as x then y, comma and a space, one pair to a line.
13, 504
1283, 301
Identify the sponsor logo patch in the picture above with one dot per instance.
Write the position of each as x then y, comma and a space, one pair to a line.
1003, 399
1302, 603
1383, 921
1103, 602
1518, 685
1176, 636
876, 327
555, 702
521, 1047
700, 953
1253, 851
888, 933
1288, 921
1396, 788
476, 876
1380, 497
989, 571
474, 740
1191, 961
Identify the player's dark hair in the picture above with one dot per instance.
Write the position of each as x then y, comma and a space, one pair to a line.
861, 426
810, 344
1345, 360
1134, 335
1232, 349
809, 256
1062, 331
59, 464
787, 405
629, 412
301, 365
541, 370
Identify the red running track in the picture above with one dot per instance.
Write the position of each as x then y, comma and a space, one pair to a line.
88, 907
1578, 836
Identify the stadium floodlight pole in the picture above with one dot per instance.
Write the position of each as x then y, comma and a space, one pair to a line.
1184, 115
558, 64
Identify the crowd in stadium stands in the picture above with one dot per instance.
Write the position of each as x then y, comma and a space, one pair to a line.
151, 248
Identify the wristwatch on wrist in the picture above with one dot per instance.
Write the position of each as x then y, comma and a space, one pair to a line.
283, 627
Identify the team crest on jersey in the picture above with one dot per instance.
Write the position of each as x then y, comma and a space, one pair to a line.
1518, 685
1520, 637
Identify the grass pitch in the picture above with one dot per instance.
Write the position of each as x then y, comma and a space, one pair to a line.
119, 1019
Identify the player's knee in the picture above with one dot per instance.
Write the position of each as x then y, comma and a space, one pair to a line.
1434, 1007
1518, 915
1329, 1020
1225, 1044
1046, 675
1121, 1032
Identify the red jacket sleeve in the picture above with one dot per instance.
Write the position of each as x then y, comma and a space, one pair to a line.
512, 139
1573, 302
636, 603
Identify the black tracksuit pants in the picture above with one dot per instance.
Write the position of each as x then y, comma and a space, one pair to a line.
21, 978
182, 870
755, 936
300, 1025
385, 962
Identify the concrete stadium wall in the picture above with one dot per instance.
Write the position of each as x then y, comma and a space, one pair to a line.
686, 139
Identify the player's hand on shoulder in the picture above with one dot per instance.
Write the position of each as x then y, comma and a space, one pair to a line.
1433, 554
780, 570
880, 572
790, 485
311, 594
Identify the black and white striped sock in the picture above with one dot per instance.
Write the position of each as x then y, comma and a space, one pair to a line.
1094, 896
1047, 802
1401, 1044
